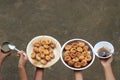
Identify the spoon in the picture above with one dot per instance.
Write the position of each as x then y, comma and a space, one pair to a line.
13, 47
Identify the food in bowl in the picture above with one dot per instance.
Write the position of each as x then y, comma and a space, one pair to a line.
103, 49
4, 47
43, 51
103, 52
39, 51
77, 54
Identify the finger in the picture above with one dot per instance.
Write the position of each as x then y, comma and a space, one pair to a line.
21, 52
8, 53
21, 55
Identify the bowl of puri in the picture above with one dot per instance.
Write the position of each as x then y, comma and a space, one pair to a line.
43, 51
77, 54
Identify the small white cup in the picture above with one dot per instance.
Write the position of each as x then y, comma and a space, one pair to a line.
103, 44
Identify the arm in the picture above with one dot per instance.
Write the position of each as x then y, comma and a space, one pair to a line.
108, 68
78, 75
3, 56
22, 73
38, 74
21, 66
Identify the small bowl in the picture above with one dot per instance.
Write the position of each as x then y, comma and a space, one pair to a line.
4, 47
105, 45
91, 54
56, 51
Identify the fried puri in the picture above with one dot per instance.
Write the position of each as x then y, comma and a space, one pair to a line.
77, 64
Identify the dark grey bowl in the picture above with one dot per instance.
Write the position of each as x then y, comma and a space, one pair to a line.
4, 47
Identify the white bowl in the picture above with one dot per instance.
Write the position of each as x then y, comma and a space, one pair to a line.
56, 51
91, 53
106, 45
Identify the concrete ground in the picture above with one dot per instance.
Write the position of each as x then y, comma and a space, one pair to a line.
92, 20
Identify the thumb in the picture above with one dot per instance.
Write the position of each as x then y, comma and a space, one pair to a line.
8, 53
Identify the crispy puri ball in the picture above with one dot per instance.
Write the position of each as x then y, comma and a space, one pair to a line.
52, 45
43, 61
42, 55
88, 58
76, 59
83, 63
81, 44
48, 41
36, 44
78, 54
67, 47
46, 46
48, 58
72, 50
73, 55
85, 53
79, 49
67, 58
41, 49
86, 48
70, 63
81, 57
52, 55
36, 50
66, 53
46, 52
77, 64
43, 41
38, 57
74, 45
33, 55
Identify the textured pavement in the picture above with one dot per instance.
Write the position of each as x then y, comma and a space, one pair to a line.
92, 20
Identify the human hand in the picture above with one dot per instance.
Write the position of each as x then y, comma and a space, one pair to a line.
3, 56
23, 60
106, 62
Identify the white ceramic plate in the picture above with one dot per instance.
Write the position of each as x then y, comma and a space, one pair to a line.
56, 51
91, 53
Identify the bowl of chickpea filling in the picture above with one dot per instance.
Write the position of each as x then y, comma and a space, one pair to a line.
43, 51
77, 54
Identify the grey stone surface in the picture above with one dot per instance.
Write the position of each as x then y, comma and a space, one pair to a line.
92, 20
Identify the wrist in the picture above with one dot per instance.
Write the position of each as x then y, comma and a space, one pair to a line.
107, 67
21, 67
78, 73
